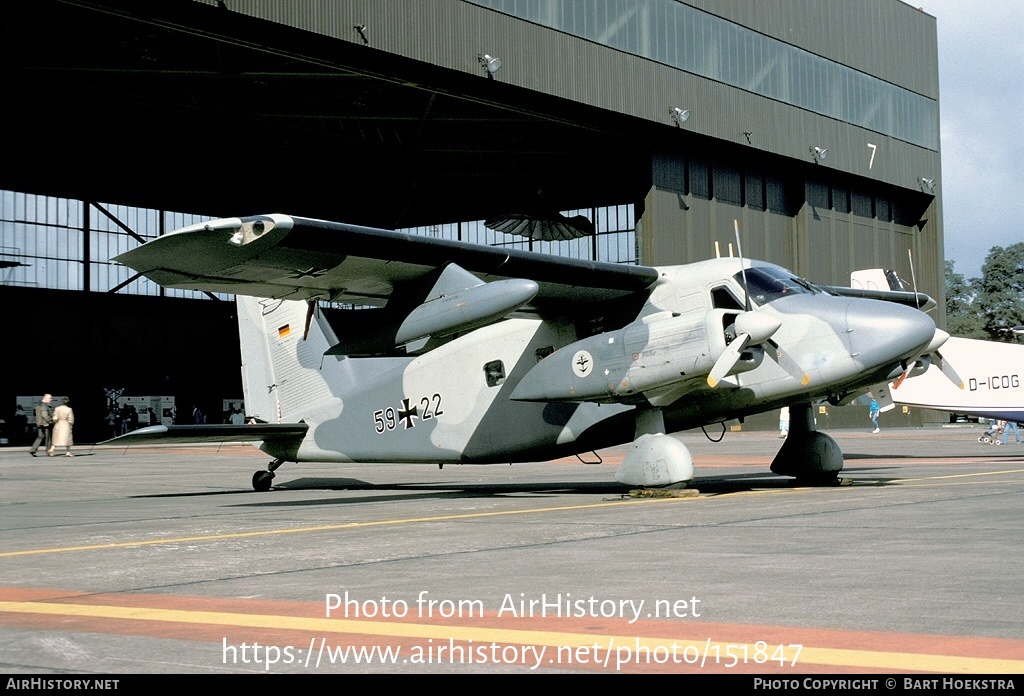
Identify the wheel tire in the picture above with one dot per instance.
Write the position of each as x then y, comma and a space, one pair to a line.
261, 481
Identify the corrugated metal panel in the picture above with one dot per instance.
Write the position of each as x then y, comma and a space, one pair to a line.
451, 33
882, 37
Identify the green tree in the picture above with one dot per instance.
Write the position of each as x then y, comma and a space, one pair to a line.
963, 318
1000, 291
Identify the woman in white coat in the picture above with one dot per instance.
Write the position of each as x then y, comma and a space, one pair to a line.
63, 420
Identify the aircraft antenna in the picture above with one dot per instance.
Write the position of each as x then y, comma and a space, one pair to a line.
913, 276
743, 269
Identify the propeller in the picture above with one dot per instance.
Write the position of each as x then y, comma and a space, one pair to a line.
753, 328
545, 226
932, 355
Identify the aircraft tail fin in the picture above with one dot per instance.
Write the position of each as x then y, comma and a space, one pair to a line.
283, 361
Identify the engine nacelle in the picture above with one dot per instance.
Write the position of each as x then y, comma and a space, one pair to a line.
466, 309
619, 366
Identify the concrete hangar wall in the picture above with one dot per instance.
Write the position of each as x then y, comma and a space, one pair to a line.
762, 85
587, 105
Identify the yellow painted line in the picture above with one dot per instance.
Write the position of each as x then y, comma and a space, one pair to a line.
713, 652
334, 527
437, 518
954, 476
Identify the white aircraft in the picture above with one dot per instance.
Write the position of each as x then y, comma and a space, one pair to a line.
472, 354
991, 385
992, 381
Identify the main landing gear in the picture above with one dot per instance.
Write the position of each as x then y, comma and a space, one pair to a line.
261, 480
656, 459
813, 458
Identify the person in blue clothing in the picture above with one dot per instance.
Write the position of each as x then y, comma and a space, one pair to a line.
1011, 425
873, 411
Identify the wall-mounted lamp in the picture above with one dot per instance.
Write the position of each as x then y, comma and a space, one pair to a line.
927, 183
819, 153
680, 116
361, 30
490, 64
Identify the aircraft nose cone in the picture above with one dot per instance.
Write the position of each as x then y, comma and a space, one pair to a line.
881, 332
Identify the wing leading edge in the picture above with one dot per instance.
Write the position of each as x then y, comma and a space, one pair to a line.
285, 257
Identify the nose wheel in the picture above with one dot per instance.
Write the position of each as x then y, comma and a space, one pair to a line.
261, 480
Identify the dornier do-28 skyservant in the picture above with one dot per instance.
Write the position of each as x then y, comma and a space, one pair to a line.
470, 354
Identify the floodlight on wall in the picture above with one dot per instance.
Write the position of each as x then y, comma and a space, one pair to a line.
680, 116
819, 153
361, 30
927, 183
490, 64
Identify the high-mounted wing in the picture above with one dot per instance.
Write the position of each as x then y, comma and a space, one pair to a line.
918, 300
280, 256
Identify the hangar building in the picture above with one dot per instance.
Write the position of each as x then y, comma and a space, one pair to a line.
815, 123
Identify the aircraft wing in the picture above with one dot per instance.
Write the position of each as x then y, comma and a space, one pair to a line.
281, 433
911, 299
285, 257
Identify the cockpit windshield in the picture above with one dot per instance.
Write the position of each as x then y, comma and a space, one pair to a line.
768, 283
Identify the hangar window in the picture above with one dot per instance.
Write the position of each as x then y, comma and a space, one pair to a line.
775, 195
728, 185
861, 204
754, 193
702, 43
700, 184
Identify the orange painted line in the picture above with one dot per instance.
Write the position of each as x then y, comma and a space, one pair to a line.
207, 619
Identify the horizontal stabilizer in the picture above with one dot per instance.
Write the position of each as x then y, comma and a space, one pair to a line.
184, 434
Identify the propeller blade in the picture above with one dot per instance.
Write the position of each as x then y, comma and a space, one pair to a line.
903, 376
727, 360
310, 309
752, 328
787, 363
947, 370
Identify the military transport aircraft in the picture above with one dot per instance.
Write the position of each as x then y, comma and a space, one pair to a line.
460, 353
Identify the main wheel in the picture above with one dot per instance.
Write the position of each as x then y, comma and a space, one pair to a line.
261, 481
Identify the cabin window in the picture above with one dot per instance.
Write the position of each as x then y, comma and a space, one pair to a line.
721, 298
494, 371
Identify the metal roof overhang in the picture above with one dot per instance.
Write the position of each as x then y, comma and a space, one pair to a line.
172, 104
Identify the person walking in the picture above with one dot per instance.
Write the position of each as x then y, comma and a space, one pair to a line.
44, 425
873, 411
63, 422
1010, 425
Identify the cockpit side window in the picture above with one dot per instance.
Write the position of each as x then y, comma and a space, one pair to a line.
767, 283
722, 298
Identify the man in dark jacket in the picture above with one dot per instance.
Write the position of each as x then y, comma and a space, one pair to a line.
44, 424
